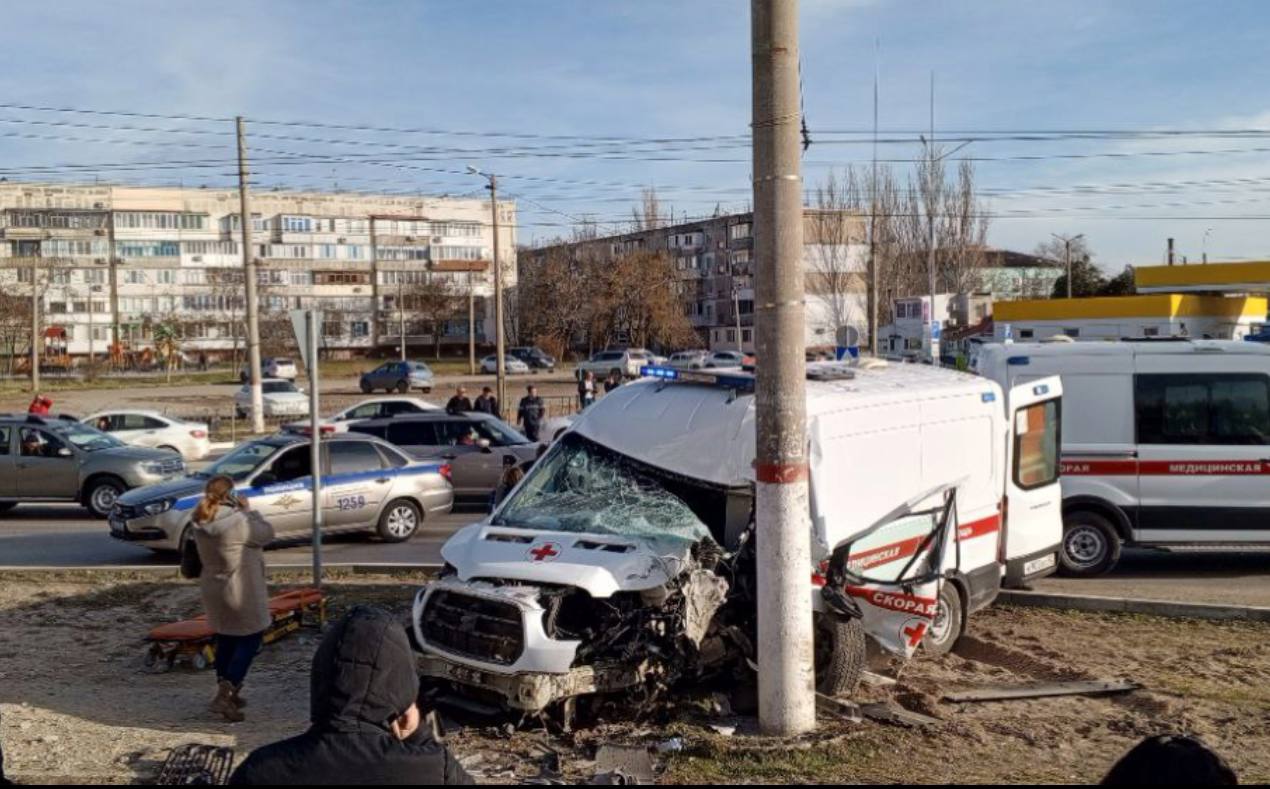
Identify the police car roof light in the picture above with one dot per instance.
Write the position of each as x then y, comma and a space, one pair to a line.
722, 380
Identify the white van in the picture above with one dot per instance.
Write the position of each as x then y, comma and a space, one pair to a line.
624, 560
1165, 442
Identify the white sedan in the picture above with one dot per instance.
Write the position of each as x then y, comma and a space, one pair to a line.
281, 398
374, 408
143, 428
511, 364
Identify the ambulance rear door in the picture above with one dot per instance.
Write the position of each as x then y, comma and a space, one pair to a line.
1033, 502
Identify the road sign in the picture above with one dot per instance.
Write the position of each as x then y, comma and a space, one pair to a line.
301, 329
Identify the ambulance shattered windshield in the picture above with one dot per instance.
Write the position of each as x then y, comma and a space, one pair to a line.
582, 487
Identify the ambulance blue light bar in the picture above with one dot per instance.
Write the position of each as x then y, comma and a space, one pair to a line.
744, 383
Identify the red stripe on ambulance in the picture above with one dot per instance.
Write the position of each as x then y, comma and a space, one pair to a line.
896, 601
1165, 468
906, 548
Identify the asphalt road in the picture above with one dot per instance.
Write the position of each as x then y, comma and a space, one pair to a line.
65, 536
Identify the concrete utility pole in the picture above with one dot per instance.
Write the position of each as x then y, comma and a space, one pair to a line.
471, 325
114, 279
501, 385
401, 310
1067, 254
249, 279
35, 326
787, 701
873, 219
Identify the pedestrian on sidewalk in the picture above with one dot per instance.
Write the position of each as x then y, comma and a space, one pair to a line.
613, 380
586, 390
365, 724
531, 412
459, 403
487, 403
230, 539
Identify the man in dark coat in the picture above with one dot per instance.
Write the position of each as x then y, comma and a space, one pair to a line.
486, 402
365, 720
459, 403
531, 413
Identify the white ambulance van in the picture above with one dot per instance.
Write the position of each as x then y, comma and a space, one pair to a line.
624, 562
1165, 442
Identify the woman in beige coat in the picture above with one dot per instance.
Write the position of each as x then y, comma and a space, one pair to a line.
230, 538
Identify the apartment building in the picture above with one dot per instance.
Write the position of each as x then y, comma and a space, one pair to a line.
111, 262
714, 261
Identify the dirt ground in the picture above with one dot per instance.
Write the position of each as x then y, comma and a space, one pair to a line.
77, 705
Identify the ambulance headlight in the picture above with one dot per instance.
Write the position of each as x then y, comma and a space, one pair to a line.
158, 507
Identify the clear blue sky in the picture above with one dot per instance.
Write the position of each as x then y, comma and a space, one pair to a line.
659, 69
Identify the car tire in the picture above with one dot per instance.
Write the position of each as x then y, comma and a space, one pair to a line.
950, 617
840, 653
5, 506
365, 387
1091, 546
399, 521
101, 493
170, 448
403, 387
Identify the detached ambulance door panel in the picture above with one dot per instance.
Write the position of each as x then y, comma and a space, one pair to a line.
1034, 518
1204, 450
960, 444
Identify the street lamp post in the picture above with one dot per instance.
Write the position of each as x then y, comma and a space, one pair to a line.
1067, 253
500, 362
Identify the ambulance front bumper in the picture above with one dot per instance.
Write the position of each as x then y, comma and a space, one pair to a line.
1022, 570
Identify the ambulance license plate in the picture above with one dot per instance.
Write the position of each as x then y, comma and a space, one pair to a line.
1036, 565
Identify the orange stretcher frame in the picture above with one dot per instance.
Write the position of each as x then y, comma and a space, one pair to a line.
192, 641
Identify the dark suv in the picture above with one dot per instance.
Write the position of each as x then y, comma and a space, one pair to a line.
473, 444
54, 459
534, 357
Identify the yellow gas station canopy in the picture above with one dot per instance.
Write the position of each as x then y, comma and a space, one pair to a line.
1252, 276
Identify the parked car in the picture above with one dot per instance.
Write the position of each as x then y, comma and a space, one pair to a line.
511, 365
280, 398
687, 360
721, 359
625, 526
142, 428
48, 459
375, 408
473, 444
535, 357
397, 377
366, 486
275, 367
1164, 442
628, 362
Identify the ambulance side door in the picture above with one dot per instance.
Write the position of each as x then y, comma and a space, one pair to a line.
1033, 492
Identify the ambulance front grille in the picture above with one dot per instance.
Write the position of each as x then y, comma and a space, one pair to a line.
474, 627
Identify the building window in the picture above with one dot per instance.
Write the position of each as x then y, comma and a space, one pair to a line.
1025, 334
1070, 332
739, 231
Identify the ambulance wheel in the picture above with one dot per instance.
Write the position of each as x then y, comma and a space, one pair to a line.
946, 627
1090, 545
840, 653
399, 521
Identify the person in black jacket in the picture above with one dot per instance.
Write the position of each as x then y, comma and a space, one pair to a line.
459, 403
365, 719
486, 402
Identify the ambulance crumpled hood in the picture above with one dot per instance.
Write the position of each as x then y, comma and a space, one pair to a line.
701, 432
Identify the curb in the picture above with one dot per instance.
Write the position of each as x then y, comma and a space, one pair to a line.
1126, 605
173, 572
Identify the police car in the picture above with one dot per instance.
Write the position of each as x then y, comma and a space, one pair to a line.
367, 485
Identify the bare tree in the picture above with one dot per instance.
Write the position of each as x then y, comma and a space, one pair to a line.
15, 326
650, 214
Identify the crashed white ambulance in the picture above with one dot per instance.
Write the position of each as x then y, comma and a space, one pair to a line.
623, 563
